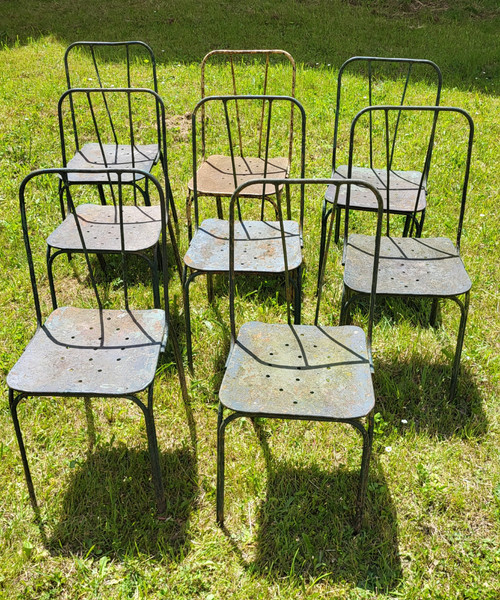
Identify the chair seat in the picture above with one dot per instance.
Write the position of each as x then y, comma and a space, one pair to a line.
91, 352
403, 191
258, 247
100, 227
90, 156
407, 266
215, 175
299, 371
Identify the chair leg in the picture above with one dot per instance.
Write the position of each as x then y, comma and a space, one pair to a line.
325, 213
220, 214
13, 404
464, 309
406, 228
365, 466
434, 311
220, 466
187, 315
154, 455
337, 224
210, 288
297, 305
345, 313
175, 247
102, 197
50, 277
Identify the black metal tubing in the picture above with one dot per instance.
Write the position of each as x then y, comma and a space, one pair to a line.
63, 174
436, 110
248, 53
269, 99
411, 221
379, 59
357, 424
303, 182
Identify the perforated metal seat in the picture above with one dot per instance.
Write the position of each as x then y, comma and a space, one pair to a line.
257, 245
91, 353
93, 156
100, 226
406, 190
407, 266
299, 371
215, 176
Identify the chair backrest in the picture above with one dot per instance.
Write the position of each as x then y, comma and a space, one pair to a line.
386, 81
385, 112
85, 65
266, 144
126, 116
247, 72
239, 197
35, 184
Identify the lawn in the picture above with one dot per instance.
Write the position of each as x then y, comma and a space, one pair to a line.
432, 523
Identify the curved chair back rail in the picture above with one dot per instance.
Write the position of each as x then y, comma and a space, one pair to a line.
369, 61
132, 49
230, 56
264, 153
386, 109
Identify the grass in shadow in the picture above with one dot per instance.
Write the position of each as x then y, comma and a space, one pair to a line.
109, 506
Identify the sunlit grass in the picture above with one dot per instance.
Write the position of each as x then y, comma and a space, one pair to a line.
431, 528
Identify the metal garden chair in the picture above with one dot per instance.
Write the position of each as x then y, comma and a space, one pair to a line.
216, 172
407, 189
115, 118
299, 372
93, 352
429, 267
85, 65
258, 240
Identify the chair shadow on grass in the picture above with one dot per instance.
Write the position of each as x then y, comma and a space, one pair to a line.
305, 526
109, 505
413, 392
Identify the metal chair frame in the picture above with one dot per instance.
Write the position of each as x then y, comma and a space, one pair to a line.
127, 152
132, 48
285, 409
262, 192
411, 217
133, 323
453, 277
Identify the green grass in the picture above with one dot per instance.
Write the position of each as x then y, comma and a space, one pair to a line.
433, 510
